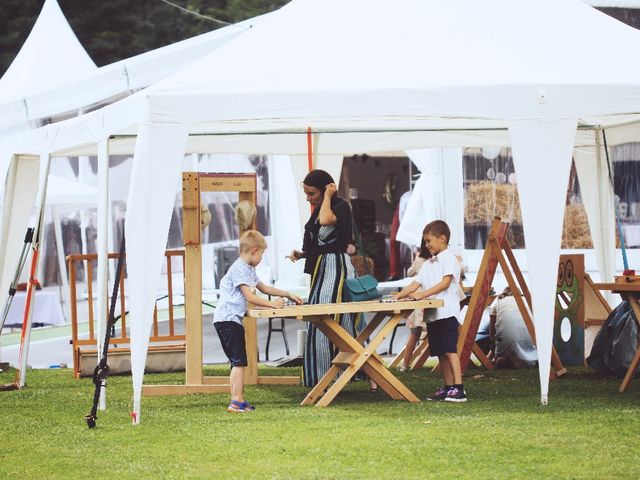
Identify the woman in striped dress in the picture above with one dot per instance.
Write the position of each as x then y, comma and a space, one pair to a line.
327, 236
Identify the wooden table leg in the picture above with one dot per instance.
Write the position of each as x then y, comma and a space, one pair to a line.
354, 357
251, 344
317, 391
389, 383
635, 306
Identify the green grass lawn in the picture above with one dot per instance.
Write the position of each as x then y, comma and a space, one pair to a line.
587, 431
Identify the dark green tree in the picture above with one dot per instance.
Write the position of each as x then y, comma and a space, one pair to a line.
117, 29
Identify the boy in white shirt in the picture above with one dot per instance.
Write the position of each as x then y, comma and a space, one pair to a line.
236, 289
439, 278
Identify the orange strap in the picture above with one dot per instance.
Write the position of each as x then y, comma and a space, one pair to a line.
309, 149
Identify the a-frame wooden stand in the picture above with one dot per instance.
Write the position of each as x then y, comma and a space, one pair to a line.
497, 252
193, 184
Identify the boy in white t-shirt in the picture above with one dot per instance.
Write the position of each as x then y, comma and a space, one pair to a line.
439, 278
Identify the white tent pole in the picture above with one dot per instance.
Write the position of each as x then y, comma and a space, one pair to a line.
83, 163
64, 280
103, 233
274, 220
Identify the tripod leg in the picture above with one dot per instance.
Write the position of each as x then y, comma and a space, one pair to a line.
28, 238
26, 322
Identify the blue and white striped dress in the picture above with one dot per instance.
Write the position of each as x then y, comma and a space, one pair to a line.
327, 286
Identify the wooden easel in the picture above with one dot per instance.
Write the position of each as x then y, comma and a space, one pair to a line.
495, 252
193, 184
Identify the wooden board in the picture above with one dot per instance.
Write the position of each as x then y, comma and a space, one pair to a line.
303, 311
227, 182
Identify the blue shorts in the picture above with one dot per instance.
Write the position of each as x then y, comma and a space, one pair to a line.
232, 339
443, 336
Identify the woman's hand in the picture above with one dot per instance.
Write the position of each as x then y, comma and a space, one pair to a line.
295, 255
330, 190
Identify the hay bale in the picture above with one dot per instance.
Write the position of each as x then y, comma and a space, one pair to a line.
486, 200
575, 233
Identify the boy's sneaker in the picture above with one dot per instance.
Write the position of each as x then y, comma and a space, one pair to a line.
248, 407
439, 396
456, 394
236, 407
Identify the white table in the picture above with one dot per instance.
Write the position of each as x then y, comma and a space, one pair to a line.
46, 309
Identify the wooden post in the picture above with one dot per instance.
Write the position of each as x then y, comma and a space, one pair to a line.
480, 293
193, 184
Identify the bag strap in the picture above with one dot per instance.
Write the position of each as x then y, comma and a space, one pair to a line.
359, 246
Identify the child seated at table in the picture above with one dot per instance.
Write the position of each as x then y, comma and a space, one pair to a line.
439, 277
236, 289
415, 321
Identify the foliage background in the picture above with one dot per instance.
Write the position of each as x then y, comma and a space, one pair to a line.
117, 29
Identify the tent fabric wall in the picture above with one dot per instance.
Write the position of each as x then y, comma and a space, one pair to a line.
285, 221
149, 207
551, 87
15, 215
427, 198
598, 199
542, 156
437, 195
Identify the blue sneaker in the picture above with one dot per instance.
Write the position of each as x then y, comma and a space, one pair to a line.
236, 407
248, 407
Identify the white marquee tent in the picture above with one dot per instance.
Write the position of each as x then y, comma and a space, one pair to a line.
369, 77
50, 57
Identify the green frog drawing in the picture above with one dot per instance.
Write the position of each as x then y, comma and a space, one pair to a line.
568, 302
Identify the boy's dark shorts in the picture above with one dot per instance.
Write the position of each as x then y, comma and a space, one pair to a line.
232, 339
443, 336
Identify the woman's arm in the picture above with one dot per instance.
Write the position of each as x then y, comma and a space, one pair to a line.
326, 216
259, 301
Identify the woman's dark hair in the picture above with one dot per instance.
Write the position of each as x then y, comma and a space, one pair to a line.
424, 251
318, 179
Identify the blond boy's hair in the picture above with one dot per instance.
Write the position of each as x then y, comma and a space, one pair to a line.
252, 239
437, 228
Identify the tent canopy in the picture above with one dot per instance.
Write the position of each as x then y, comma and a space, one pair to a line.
456, 73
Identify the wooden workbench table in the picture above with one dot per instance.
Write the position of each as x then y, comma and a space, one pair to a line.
628, 286
353, 354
